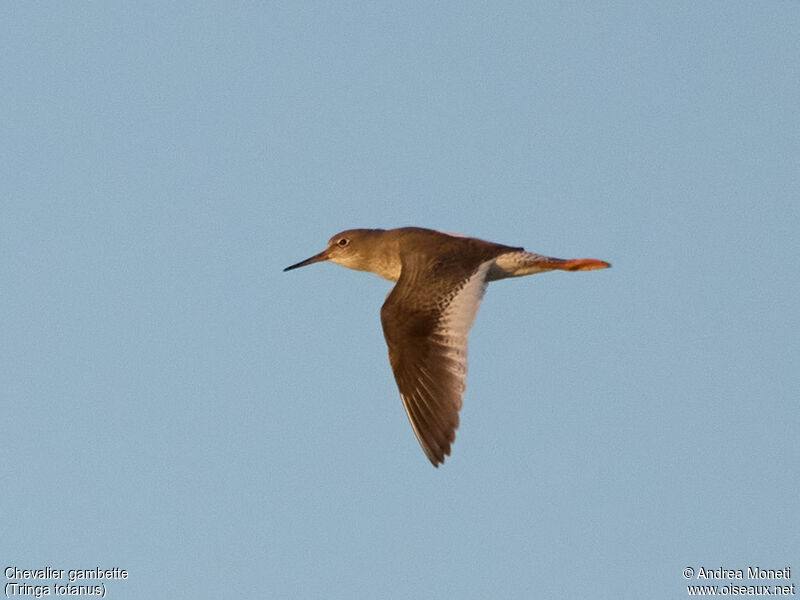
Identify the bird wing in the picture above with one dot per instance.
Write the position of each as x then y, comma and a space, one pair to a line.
426, 320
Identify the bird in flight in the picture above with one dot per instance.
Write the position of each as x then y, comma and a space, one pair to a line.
441, 278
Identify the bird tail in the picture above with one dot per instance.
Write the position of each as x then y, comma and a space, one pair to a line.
520, 262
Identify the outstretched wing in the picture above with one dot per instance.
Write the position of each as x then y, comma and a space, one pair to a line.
426, 320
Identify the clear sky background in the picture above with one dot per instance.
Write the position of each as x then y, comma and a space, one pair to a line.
176, 406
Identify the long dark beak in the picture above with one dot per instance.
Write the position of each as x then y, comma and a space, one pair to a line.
316, 258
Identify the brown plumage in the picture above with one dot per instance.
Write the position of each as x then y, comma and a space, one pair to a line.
441, 279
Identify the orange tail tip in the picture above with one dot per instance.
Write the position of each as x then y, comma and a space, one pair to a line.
578, 264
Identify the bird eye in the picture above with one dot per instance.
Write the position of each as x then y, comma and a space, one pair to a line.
343, 242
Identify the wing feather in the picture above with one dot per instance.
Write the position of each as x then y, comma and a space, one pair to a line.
427, 338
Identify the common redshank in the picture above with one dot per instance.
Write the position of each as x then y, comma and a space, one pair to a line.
441, 278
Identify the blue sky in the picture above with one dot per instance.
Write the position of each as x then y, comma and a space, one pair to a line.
176, 406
